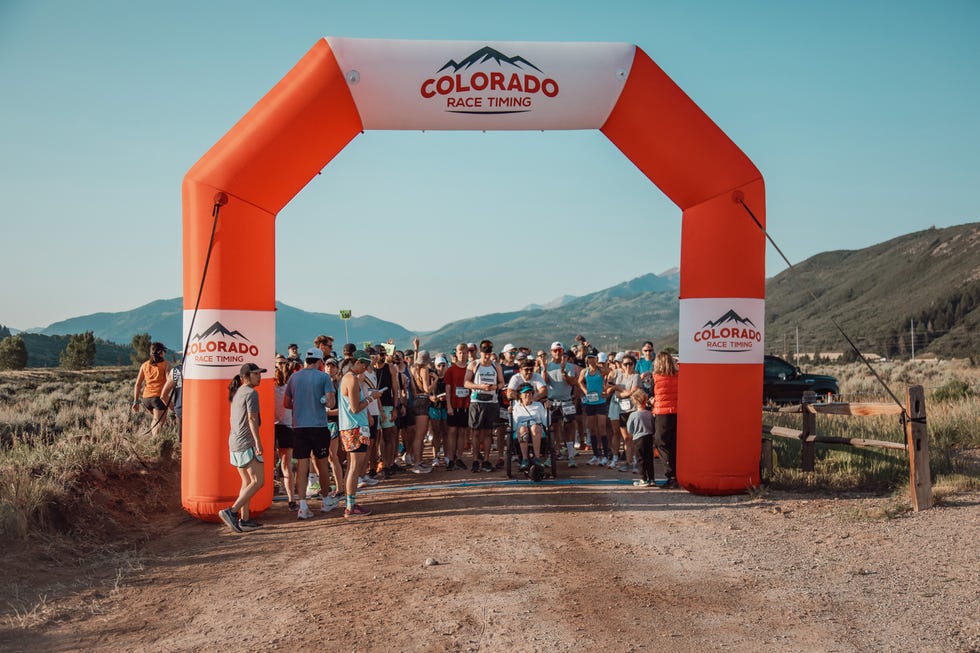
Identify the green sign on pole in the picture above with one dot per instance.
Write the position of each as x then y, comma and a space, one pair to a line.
344, 314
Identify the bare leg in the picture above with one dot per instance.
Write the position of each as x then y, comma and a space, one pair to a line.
288, 480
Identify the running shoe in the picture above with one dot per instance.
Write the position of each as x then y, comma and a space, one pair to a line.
623, 468
249, 524
486, 466
537, 461
671, 484
304, 513
546, 463
603, 461
356, 511
613, 462
572, 463
460, 464
329, 503
476, 467
366, 481
641, 483
525, 465
231, 520
593, 461
636, 469
409, 459
421, 469
293, 505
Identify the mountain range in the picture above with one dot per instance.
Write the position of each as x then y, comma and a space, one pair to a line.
923, 287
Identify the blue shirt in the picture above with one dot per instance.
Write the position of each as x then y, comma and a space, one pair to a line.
307, 388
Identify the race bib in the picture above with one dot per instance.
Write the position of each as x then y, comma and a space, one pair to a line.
592, 398
568, 408
626, 404
504, 414
462, 393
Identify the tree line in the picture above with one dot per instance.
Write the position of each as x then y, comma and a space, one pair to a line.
79, 351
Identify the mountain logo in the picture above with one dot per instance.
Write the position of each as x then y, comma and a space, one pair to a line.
488, 81
739, 335
730, 316
219, 346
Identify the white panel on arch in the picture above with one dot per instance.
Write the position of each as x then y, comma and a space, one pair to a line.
482, 85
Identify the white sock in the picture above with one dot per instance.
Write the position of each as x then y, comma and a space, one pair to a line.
302, 504
570, 446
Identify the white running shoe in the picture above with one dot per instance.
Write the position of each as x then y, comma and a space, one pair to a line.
642, 483
603, 461
421, 469
636, 470
593, 461
329, 503
614, 462
304, 513
366, 481
409, 459
572, 463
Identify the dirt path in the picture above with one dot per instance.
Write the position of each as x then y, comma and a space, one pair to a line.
531, 568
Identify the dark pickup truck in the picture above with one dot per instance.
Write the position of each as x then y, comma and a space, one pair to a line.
784, 383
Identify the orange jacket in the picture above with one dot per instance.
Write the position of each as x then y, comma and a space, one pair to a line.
664, 394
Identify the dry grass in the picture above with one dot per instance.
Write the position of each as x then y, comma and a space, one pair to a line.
953, 419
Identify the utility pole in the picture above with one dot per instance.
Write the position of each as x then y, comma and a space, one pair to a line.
797, 346
912, 336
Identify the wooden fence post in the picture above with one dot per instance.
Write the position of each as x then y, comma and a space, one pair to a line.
917, 439
808, 452
765, 465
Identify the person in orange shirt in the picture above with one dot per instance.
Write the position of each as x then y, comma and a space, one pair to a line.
665, 373
150, 381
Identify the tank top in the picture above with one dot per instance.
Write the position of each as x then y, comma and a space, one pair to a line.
484, 374
155, 376
348, 419
593, 385
509, 372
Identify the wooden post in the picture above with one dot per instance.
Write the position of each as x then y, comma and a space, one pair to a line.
765, 468
917, 438
809, 449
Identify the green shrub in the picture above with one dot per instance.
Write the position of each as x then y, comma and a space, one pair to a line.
952, 390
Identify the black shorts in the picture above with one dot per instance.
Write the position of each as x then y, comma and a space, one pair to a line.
624, 417
591, 410
558, 415
459, 418
313, 441
154, 403
484, 416
284, 437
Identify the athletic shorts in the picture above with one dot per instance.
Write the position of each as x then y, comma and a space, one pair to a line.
559, 416
459, 418
353, 441
624, 417
243, 459
284, 437
591, 410
483, 415
154, 403
386, 421
309, 441
405, 421
437, 414
334, 430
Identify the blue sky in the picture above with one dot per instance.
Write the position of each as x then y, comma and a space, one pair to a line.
861, 116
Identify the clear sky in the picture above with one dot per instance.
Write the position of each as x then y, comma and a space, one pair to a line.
862, 116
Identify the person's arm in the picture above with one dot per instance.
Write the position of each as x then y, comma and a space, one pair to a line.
354, 398
396, 387
468, 379
287, 397
581, 383
168, 387
253, 426
136, 389
500, 377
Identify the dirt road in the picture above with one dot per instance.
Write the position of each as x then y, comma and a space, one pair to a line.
524, 567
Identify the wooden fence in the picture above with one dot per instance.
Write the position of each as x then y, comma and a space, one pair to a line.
916, 437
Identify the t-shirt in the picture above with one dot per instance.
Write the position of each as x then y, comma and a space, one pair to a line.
640, 424
485, 374
516, 381
455, 376
177, 382
533, 413
558, 390
369, 385
245, 401
307, 388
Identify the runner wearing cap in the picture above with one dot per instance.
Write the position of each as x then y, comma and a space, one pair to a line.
369, 382
423, 381
484, 379
644, 366
560, 377
309, 393
437, 413
509, 366
389, 381
244, 445
355, 430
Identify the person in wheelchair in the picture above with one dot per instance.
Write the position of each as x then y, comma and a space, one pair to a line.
529, 419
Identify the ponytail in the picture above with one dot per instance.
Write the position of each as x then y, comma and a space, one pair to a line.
233, 387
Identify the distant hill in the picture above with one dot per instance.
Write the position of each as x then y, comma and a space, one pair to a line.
931, 278
163, 320
616, 317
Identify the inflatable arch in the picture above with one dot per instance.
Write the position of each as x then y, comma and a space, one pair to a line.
344, 86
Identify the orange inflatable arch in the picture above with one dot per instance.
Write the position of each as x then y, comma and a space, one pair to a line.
344, 86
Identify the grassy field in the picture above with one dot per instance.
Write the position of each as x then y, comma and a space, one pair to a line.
74, 459
952, 390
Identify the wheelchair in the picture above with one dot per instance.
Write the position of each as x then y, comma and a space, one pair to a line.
549, 450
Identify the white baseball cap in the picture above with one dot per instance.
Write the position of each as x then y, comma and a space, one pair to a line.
508, 347
314, 353
557, 345
603, 357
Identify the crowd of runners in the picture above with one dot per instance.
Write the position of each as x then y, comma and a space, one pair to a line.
363, 416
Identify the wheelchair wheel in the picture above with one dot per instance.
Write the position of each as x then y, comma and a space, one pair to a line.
553, 445
509, 455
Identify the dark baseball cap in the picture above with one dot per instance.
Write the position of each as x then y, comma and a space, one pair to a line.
248, 368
